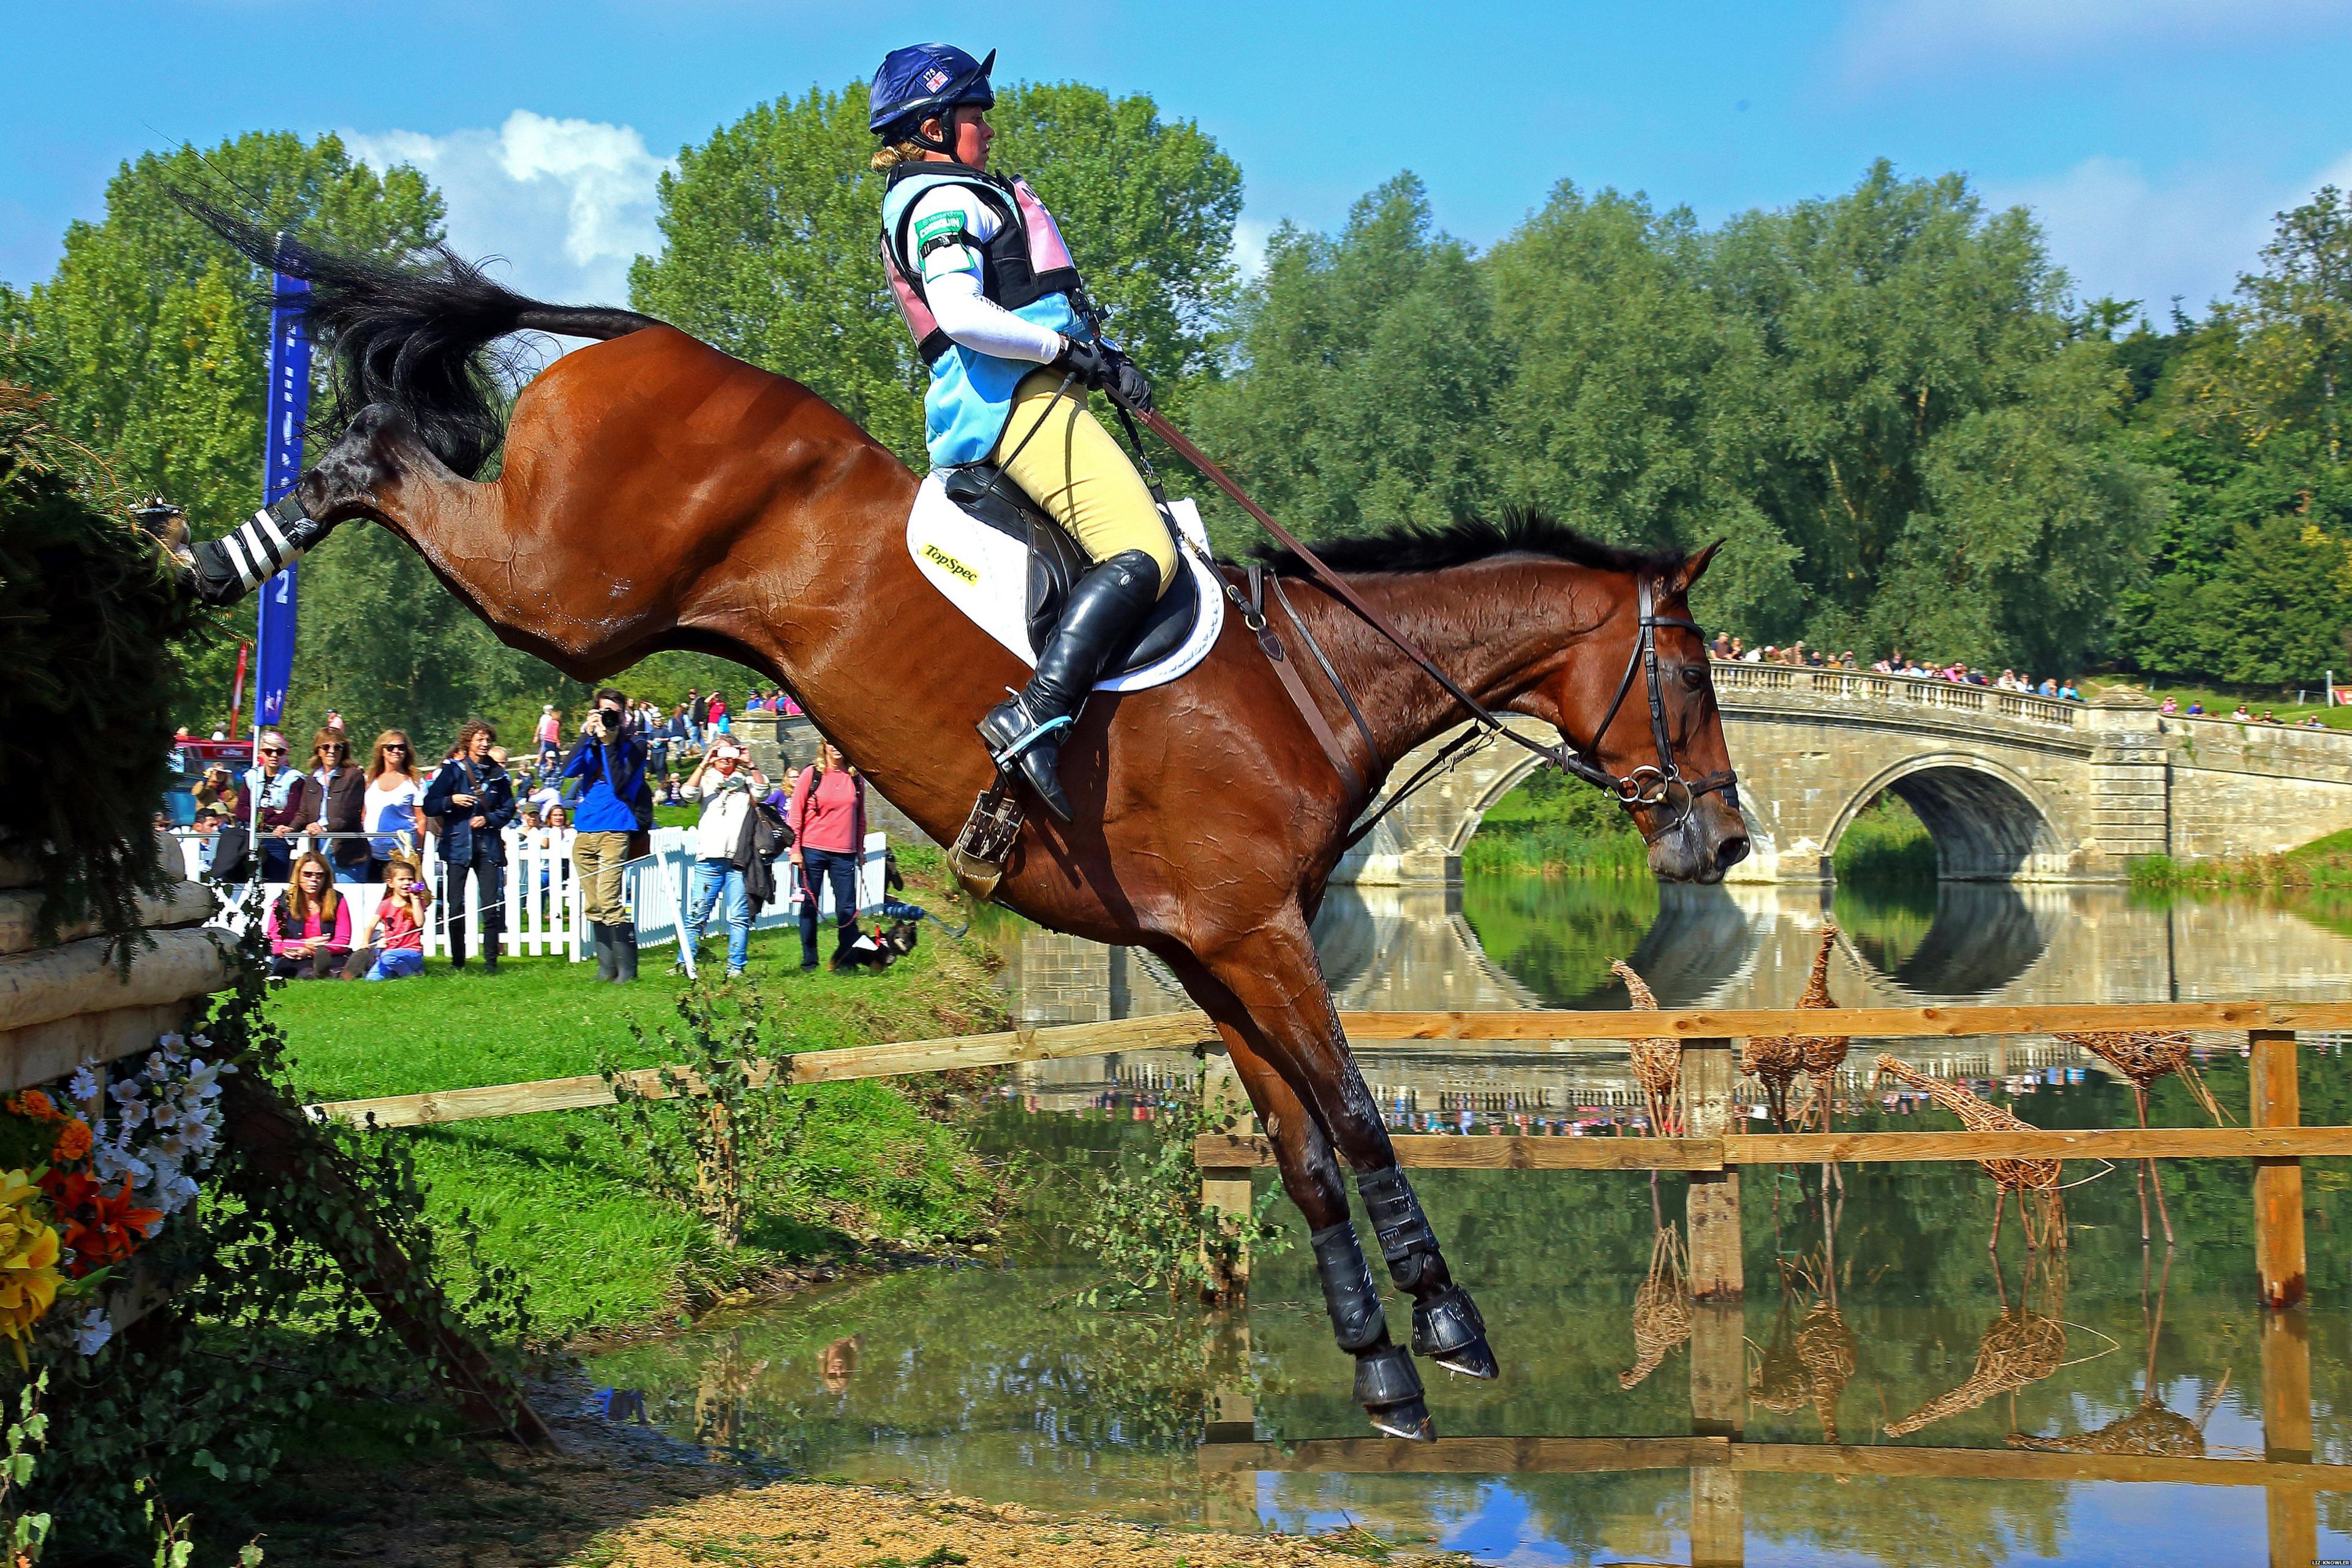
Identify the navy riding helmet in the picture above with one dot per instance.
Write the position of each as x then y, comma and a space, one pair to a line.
922, 80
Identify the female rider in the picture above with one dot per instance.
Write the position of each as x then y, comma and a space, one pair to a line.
987, 287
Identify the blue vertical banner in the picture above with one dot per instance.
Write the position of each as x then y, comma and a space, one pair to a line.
290, 409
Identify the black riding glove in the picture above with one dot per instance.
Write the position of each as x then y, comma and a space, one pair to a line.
1102, 368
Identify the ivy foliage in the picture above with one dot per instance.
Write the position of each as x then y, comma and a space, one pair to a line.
90, 630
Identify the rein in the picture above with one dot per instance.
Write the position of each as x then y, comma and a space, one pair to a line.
1646, 785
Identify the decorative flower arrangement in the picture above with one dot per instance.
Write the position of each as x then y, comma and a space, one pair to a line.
78, 1199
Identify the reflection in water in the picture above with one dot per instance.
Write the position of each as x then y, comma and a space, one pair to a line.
1864, 1317
2023, 1345
1662, 1306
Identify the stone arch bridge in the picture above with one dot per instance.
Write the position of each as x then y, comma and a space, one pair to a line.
2013, 787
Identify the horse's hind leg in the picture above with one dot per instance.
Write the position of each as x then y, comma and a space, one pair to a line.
1386, 1385
353, 479
1272, 971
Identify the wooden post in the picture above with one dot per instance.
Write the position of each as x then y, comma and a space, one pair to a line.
2286, 1437
2277, 1101
1717, 1527
1713, 1199
1225, 1190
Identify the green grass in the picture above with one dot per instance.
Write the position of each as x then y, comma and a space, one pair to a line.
1554, 826
1885, 845
2324, 864
556, 1195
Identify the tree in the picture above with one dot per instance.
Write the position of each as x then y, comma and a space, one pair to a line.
1632, 413
771, 228
1367, 370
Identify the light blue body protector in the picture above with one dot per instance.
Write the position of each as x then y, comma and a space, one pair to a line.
970, 394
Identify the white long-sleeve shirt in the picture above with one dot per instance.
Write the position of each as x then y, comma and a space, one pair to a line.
952, 281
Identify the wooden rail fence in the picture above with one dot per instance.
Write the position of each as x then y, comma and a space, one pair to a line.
2272, 1137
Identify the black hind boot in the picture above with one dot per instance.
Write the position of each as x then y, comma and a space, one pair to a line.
1026, 731
1446, 1327
223, 571
1386, 1385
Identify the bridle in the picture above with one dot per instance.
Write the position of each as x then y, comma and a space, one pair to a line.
1646, 786
1649, 786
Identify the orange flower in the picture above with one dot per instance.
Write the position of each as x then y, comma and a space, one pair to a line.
35, 1104
73, 1142
99, 1228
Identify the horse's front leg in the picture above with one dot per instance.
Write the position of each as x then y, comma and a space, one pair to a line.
1273, 972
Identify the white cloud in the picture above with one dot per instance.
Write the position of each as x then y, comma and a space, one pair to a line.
1901, 36
1250, 234
2120, 233
567, 203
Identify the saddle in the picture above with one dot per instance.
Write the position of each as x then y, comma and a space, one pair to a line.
983, 491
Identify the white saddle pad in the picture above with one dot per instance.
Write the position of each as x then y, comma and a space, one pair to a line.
984, 573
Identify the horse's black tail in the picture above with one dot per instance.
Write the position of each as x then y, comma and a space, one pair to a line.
416, 333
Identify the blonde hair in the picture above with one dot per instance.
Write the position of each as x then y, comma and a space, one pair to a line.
896, 153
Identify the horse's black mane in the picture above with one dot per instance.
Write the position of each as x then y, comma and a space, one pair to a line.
1467, 539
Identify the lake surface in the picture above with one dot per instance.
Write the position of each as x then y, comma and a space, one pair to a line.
1886, 1393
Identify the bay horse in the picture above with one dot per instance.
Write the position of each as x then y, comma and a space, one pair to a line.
657, 494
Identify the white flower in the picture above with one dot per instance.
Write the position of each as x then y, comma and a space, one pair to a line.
83, 1085
95, 1329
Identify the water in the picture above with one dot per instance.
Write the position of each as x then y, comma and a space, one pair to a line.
1872, 1309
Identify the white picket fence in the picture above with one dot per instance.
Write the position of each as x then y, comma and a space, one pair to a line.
544, 911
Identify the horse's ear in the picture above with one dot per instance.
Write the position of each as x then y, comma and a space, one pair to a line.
1692, 569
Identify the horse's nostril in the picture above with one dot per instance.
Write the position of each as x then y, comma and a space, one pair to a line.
1730, 852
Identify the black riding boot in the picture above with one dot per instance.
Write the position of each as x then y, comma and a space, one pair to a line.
223, 571
490, 949
605, 949
1026, 731
457, 944
623, 938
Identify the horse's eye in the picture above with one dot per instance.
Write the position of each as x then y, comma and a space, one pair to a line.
1694, 677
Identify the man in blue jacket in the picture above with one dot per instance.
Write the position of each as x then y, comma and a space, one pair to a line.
616, 804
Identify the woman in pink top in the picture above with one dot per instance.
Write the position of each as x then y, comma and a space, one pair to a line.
310, 924
827, 817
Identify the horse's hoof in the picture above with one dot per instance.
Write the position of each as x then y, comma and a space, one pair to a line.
1448, 1330
1389, 1391
1411, 1423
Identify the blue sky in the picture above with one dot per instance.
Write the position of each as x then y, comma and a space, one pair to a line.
2153, 137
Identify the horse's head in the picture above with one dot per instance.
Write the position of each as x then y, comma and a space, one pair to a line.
1686, 813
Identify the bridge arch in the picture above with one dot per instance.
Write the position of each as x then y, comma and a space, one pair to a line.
1988, 821
1523, 767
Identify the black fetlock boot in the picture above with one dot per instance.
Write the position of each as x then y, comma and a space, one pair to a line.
1024, 732
1446, 1327
223, 571
1386, 1385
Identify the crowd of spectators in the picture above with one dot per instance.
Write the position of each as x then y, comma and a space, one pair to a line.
2195, 709
340, 823
1730, 649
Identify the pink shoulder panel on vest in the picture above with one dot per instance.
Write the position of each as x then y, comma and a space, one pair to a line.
1046, 251
919, 320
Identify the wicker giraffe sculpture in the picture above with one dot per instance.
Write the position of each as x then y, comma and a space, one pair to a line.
2144, 1056
2039, 1177
1657, 1063
1777, 1061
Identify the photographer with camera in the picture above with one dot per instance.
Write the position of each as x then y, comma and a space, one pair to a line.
617, 807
